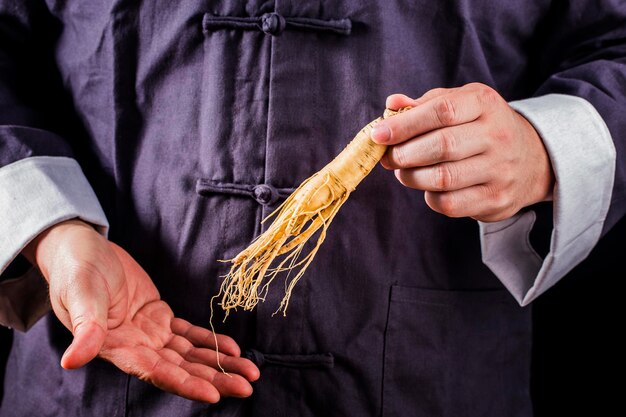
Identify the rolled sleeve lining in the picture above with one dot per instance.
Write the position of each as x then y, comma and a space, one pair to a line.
583, 155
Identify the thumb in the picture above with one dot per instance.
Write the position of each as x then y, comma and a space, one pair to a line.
87, 309
88, 340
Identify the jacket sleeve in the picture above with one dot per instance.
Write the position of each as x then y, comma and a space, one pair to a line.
578, 110
41, 184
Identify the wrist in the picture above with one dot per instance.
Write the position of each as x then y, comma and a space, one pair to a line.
542, 182
48, 239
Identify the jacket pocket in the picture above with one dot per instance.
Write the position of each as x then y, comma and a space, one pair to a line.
456, 353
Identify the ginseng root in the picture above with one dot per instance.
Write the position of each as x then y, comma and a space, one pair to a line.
309, 209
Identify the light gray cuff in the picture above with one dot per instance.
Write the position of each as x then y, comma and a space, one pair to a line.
583, 159
35, 194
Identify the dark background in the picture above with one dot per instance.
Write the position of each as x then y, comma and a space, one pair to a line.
577, 350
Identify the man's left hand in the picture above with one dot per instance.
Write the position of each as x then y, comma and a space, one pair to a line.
472, 154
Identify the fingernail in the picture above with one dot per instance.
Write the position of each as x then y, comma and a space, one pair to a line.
381, 134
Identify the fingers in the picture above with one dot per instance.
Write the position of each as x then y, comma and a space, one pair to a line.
234, 385
442, 145
436, 110
176, 380
163, 370
481, 202
201, 357
169, 370
149, 348
214, 359
205, 338
447, 176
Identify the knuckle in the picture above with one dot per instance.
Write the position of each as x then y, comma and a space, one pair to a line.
503, 138
78, 321
445, 112
444, 177
488, 96
500, 199
500, 134
475, 86
447, 145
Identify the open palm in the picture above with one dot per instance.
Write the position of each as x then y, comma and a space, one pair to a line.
112, 307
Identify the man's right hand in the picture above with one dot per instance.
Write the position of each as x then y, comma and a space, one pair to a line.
109, 303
